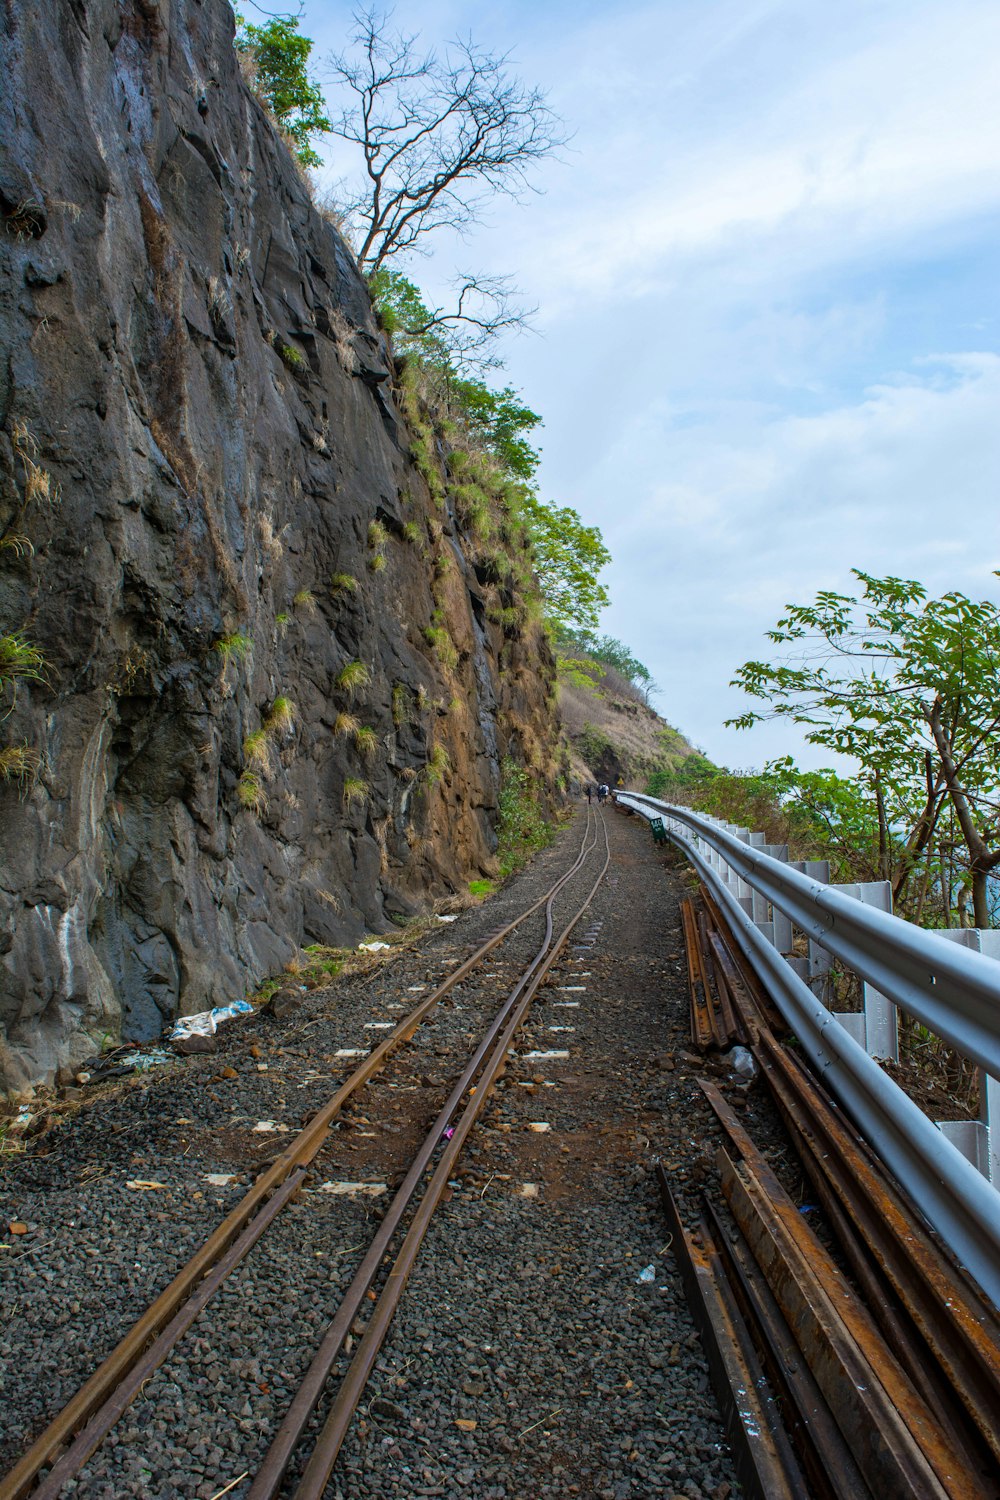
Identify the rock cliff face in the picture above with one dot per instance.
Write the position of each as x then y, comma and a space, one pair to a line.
189, 358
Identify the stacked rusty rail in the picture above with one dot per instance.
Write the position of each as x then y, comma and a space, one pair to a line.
713, 1020
772, 908
872, 1371
74, 1435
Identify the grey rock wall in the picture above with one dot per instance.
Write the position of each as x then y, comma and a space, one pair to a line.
189, 345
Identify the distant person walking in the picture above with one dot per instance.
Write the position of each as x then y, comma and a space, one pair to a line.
602, 792
589, 789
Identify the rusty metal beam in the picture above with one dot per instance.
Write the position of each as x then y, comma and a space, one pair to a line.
939, 1323
896, 1441
702, 1032
959, 1329
762, 1007
826, 1459
763, 1456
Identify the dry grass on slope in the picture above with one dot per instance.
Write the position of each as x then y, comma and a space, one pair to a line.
613, 733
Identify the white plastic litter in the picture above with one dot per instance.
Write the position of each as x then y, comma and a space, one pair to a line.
373, 947
206, 1022
741, 1062
448, 919
646, 1275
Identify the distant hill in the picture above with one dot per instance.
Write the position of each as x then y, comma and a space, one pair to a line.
612, 732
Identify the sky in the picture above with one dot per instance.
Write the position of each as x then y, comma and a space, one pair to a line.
767, 345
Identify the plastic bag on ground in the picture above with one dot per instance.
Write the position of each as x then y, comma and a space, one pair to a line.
206, 1021
741, 1062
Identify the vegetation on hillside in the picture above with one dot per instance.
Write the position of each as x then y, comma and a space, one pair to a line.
275, 61
473, 442
614, 733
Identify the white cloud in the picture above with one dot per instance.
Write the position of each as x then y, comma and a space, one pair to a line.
857, 137
902, 482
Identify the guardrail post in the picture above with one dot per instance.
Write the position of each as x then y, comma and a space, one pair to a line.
877, 1025
743, 892
978, 1140
781, 927
760, 909
815, 968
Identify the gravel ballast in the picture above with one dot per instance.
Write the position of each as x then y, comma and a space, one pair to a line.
534, 1353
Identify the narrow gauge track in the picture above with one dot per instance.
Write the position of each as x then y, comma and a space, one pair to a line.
79, 1429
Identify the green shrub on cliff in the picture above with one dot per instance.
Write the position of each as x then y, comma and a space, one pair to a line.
352, 677
274, 59
18, 762
521, 828
20, 661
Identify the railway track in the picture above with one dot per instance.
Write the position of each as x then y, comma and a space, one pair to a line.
60, 1453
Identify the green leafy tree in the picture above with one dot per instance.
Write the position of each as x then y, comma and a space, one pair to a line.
909, 687
462, 338
568, 558
407, 318
279, 56
500, 420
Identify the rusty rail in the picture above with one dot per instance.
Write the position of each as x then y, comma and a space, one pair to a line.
327, 1447
822, 1451
895, 1437
941, 1326
763, 1456
903, 1381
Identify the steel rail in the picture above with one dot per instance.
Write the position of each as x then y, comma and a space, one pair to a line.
764, 1461
896, 1442
952, 990
937, 1322
99, 1390
957, 1326
951, 1194
834, 1329
72, 1460
822, 1451
272, 1469
324, 1455
700, 1005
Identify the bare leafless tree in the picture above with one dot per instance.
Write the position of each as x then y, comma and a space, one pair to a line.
438, 136
485, 306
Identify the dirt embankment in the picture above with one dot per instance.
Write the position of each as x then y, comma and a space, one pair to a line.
613, 733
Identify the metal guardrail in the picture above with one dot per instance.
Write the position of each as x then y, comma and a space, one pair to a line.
953, 991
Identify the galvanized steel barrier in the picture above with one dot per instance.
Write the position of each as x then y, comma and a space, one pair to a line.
947, 981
